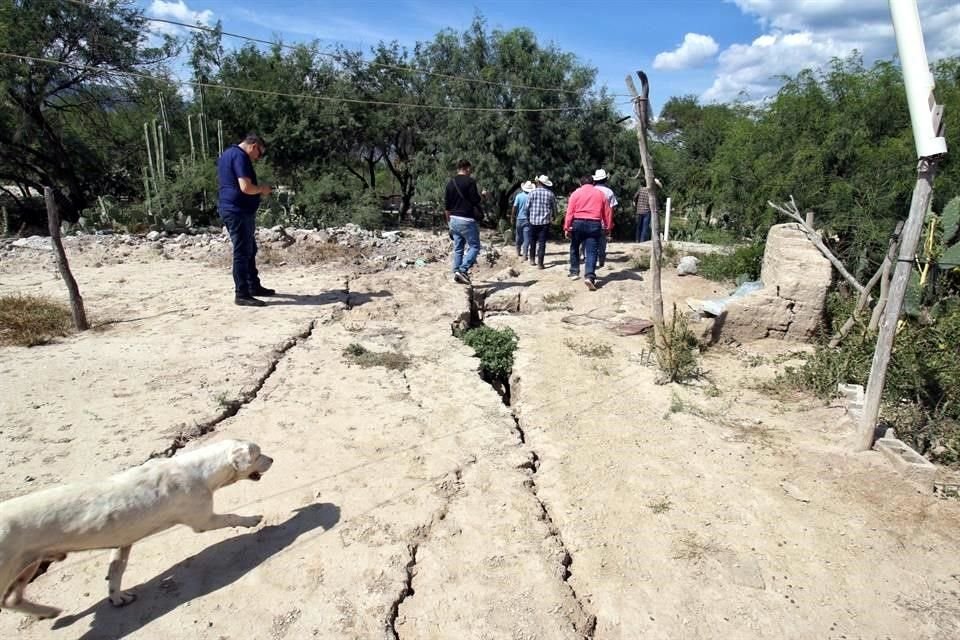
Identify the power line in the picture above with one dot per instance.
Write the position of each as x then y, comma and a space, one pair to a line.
384, 65
308, 96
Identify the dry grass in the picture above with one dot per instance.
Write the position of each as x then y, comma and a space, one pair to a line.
589, 349
30, 320
661, 505
307, 253
360, 355
694, 549
304, 253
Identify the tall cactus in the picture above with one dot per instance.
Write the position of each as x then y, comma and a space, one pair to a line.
942, 254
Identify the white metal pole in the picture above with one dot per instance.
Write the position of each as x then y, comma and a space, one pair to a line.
666, 223
917, 78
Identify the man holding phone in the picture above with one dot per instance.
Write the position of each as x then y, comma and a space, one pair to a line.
239, 199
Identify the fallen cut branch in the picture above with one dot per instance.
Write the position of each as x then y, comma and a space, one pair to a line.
790, 210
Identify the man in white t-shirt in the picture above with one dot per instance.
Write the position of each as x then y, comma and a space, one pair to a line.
600, 182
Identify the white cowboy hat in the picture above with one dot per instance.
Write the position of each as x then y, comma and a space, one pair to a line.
528, 186
544, 180
599, 175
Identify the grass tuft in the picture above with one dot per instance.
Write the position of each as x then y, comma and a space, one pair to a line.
28, 320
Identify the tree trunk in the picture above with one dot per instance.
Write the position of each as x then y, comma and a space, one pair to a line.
76, 301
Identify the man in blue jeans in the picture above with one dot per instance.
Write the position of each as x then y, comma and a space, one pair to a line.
521, 221
239, 199
589, 218
462, 207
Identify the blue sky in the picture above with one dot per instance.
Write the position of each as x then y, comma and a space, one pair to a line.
717, 50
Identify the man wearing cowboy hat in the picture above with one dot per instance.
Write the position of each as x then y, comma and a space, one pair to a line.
600, 182
543, 207
521, 210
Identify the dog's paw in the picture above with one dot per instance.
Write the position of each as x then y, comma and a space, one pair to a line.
45, 613
251, 521
122, 598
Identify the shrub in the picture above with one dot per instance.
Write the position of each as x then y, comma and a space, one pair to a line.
922, 382
495, 349
676, 350
28, 321
740, 266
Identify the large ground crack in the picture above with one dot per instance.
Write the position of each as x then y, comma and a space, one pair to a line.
232, 406
449, 487
585, 623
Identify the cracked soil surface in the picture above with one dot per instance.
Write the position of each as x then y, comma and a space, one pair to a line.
414, 504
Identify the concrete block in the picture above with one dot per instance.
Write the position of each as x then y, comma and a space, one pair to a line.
911, 465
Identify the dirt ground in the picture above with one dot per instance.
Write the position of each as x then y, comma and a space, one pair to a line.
414, 504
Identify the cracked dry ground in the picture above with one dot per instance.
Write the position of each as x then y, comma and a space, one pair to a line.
414, 504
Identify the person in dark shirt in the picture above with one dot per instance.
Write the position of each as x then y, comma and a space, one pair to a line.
238, 201
462, 208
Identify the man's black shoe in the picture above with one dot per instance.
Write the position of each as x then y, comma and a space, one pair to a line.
263, 291
248, 301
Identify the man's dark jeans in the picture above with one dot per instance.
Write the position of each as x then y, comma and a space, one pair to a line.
643, 227
589, 233
538, 242
242, 229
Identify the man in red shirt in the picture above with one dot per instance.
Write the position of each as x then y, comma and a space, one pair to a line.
589, 218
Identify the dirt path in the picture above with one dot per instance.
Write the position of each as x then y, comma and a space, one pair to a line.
412, 503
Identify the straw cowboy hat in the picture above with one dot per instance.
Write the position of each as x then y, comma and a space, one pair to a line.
544, 180
599, 175
528, 186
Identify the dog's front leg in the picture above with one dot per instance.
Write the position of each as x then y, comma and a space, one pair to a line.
118, 564
212, 521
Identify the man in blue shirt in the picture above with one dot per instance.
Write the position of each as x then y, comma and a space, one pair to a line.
521, 210
238, 202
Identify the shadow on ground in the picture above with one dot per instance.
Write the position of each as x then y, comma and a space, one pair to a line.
210, 570
353, 299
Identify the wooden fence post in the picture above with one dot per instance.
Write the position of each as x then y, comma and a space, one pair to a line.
76, 301
641, 109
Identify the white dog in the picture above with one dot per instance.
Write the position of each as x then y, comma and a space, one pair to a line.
114, 513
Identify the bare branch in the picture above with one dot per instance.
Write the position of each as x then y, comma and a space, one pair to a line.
792, 212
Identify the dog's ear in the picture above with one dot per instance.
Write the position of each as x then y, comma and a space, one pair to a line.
242, 455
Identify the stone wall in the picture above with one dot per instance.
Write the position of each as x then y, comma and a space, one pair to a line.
795, 278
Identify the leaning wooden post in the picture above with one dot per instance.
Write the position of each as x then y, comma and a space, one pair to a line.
76, 301
641, 110
931, 146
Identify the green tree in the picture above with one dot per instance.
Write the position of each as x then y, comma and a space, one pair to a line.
56, 117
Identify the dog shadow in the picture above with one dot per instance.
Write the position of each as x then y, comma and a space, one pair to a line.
209, 570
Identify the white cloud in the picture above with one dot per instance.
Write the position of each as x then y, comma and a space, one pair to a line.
178, 11
695, 50
800, 34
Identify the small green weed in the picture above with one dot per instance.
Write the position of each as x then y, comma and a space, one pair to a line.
641, 263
